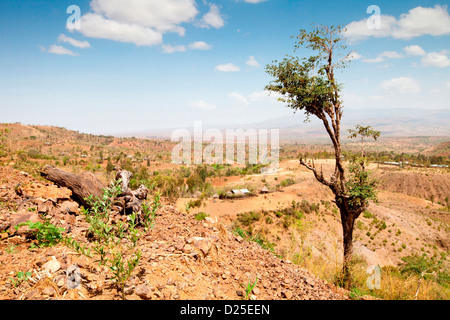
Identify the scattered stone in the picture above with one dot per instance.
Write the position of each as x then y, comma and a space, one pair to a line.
49, 291
52, 266
69, 207
32, 294
203, 244
287, 294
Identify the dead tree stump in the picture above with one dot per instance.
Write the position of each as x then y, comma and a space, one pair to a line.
130, 200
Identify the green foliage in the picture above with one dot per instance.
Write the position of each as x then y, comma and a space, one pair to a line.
367, 214
363, 132
287, 182
46, 234
20, 277
201, 216
249, 288
308, 84
108, 235
75, 245
426, 267
123, 268
249, 217
149, 211
360, 186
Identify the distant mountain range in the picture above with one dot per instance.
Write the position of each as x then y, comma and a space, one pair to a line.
391, 122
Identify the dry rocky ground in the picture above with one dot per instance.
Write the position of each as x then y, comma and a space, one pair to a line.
182, 258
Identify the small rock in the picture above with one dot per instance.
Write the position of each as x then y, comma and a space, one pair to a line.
44, 207
32, 294
60, 280
256, 291
52, 266
41, 261
49, 291
187, 249
203, 244
240, 293
170, 282
143, 291
69, 207
22, 217
287, 294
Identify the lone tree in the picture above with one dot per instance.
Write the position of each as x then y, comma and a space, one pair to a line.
309, 85
363, 132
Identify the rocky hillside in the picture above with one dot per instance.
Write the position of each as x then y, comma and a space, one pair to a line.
182, 258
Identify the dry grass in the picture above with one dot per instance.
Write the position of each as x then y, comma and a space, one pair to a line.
394, 286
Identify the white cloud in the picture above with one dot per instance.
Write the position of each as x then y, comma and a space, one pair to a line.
239, 98
200, 45
60, 50
436, 59
96, 26
252, 62
167, 48
423, 21
229, 67
414, 50
381, 57
254, 1
447, 85
163, 16
358, 30
264, 96
202, 105
73, 42
354, 56
213, 18
417, 22
401, 85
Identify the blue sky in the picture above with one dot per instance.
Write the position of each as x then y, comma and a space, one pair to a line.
147, 64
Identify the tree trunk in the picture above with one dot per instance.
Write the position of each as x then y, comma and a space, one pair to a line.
82, 185
348, 223
347, 226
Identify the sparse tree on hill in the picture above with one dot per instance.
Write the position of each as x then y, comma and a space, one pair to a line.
309, 85
363, 132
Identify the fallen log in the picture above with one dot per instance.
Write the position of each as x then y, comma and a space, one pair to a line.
82, 185
85, 184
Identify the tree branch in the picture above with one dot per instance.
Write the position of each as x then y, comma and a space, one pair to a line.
319, 176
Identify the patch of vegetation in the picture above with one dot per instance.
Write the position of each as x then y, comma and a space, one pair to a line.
20, 278
115, 241
46, 234
248, 218
201, 216
287, 182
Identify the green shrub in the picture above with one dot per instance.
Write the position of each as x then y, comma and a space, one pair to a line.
46, 234
248, 218
201, 216
367, 214
287, 182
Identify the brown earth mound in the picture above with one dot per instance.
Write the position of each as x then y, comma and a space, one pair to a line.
432, 186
